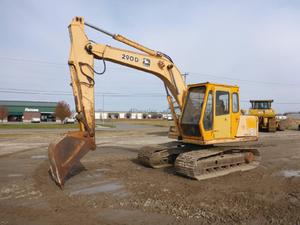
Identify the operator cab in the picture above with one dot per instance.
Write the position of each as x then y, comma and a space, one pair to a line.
261, 104
209, 113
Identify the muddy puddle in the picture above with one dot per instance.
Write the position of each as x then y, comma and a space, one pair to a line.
39, 157
107, 187
15, 175
291, 173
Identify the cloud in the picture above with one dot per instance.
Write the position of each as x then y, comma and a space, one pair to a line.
235, 42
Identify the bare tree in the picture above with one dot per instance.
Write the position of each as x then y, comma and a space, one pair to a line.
62, 110
3, 113
128, 115
145, 116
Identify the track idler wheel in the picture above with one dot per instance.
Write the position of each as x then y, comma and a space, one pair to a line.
249, 157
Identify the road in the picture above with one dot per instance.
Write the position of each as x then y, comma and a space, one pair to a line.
110, 187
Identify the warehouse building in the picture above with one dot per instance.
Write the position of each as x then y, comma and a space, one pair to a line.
28, 111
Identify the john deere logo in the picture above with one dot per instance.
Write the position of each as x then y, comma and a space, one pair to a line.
146, 62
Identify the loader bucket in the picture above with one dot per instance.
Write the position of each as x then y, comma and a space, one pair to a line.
66, 153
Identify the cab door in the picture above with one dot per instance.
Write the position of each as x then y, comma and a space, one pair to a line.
222, 124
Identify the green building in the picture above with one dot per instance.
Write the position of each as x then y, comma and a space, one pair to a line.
27, 110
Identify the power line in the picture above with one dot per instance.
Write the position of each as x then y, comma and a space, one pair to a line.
55, 93
32, 61
32, 93
12, 59
278, 103
109, 94
33, 90
245, 80
69, 92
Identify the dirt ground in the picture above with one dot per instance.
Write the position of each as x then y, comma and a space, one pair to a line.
110, 187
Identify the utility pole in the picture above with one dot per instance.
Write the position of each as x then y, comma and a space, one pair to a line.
184, 75
102, 109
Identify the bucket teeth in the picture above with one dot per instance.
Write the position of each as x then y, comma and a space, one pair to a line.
66, 153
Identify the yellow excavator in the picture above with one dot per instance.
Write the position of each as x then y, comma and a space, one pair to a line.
209, 114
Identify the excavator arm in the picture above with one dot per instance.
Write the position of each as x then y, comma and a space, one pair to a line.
67, 152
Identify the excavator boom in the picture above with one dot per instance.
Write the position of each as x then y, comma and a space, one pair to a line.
65, 153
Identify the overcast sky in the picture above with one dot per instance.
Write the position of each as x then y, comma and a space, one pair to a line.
253, 44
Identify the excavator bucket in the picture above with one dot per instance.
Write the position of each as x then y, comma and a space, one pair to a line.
67, 152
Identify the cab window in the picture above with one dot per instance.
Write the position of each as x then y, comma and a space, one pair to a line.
208, 114
192, 111
235, 102
222, 103
261, 105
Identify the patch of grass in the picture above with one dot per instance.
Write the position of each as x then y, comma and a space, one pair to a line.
14, 135
108, 123
37, 126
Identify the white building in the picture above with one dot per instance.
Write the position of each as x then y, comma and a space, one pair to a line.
137, 115
127, 115
122, 115
101, 115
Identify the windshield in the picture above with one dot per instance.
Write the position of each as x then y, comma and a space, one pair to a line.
261, 105
193, 107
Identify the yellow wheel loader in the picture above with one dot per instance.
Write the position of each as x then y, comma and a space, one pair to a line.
266, 115
209, 113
